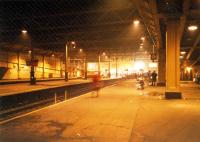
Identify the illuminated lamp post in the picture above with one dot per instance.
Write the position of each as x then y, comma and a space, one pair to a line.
68, 44
99, 62
32, 62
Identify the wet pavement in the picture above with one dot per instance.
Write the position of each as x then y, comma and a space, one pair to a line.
119, 114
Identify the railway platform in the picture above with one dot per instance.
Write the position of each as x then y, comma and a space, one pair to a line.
119, 113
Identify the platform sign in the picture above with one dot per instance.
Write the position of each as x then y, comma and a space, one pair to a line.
32, 62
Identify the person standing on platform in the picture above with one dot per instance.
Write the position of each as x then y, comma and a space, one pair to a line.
153, 78
96, 84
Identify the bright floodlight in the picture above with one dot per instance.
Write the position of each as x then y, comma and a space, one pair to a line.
24, 31
138, 65
136, 22
181, 57
183, 52
188, 69
192, 28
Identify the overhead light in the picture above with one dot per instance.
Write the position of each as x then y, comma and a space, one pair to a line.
183, 52
104, 53
188, 69
80, 50
52, 55
141, 47
73, 44
136, 22
24, 31
141, 44
192, 28
29, 52
181, 57
142, 38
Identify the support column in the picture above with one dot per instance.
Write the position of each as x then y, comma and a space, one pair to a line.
85, 67
172, 61
99, 64
109, 74
18, 65
43, 68
61, 68
116, 67
161, 67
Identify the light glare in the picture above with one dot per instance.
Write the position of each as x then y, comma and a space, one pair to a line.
192, 28
24, 31
136, 22
183, 52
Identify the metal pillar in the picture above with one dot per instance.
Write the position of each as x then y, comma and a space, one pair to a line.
18, 66
116, 67
66, 63
85, 68
172, 60
99, 65
161, 67
43, 66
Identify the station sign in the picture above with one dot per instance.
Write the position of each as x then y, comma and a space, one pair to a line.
32, 62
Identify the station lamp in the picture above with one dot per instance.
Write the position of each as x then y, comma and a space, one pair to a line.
192, 28
181, 57
143, 38
24, 31
183, 52
136, 22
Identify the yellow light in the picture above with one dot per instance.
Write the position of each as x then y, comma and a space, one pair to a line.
188, 69
153, 65
24, 31
141, 47
141, 44
181, 57
80, 50
104, 53
52, 55
73, 42
29, 52
142, 38
139, 65
183, 52
192, 28
136, 22
92, 66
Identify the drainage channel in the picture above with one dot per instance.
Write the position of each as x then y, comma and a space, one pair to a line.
14, 105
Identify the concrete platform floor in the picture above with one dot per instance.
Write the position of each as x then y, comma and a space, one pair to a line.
26, 87
120, 114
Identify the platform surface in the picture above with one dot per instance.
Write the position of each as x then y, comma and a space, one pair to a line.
119, 114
